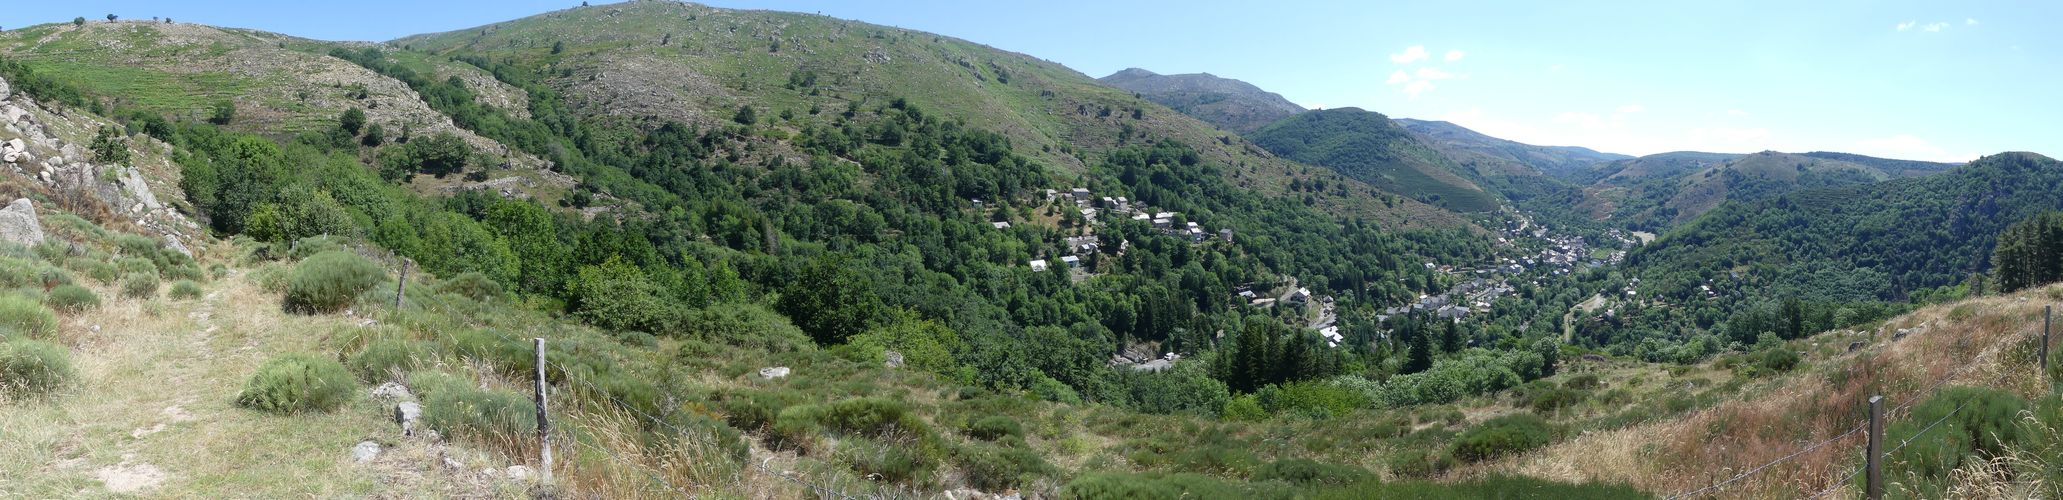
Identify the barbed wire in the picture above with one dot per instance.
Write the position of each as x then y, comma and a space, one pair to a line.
1771, 463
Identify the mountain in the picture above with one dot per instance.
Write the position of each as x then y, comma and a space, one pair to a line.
1470, 147
1655, 192
1368, 146
1867, 241
1230, 104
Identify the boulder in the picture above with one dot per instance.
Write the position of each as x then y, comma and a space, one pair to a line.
365, 451
6, 91
391, 391
406, 414
173, 243
895, 359
19, 225
773, 372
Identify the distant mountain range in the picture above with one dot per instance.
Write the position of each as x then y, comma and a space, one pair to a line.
1230, 104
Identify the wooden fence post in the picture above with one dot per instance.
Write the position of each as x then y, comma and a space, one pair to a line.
2047, 313
401, 288
1874, 489
543, 425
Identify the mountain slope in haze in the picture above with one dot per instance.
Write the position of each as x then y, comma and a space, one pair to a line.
1368, 146
1878, 241
1654, 192
1230, 104
1467, 146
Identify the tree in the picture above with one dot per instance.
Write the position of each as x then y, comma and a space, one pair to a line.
110, 18
2029, 253
110, 147
1450, 336
745, 115
79, 21
1421, 356
617, 295
1550, 351
375, 135
558, 47
440, 155
830, 300
225, 112
352, 121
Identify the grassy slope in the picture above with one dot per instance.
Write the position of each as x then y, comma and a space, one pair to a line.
614, 64
1980, 342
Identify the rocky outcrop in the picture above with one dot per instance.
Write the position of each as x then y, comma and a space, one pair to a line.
18, 224
45, 145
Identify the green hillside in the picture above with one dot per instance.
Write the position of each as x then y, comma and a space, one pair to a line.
1367, 146
1229, 104
1657, 192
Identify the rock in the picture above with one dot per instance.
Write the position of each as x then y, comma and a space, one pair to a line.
173, 243
407, 414
18, 224
5, 90
1855, 346
773, 372
520, 472
391, 391
895, 359
365, 451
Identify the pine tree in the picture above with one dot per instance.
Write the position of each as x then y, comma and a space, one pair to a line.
1450, 337
1421, 356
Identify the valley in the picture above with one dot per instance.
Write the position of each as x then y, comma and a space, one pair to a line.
755, 253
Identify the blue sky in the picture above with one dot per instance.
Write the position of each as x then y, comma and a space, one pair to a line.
1925, 80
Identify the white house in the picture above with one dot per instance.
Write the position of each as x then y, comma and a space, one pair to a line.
1038, 265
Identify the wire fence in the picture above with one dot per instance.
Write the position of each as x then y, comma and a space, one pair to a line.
436, 301
1966, 367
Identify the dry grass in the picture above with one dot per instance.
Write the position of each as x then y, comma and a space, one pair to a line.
153, 414
1974, 342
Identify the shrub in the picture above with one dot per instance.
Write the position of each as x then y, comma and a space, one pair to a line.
1585, 381
72, 299
188, 272
101, 271
295, 383
52, 276
753, 410
185, 290
1419, 463
140, 285
745, 325
1305, 472
695, 430
1310, 399
31, 368
330, 281
461, 410
1244, 409
1509, 434
131, 265
1777, 360
1975, 423
390, 359
23, 317
890, 462
472, 285
999, 468
995, 427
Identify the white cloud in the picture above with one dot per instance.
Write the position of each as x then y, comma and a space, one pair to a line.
1431, 73
1456, 55
1736, 112
1935, 27
1909, 147
1417, 87
1412, 54
1969, 21
1906, 25
1631, 108
1397, 77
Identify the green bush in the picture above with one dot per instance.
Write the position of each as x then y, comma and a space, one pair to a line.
391, 359
472, 285
889, 462
31, 368
185, 272
1310, 399
687, 429
1419, 463
101, 271
745, 325
995, 427
140, 285
999, 468
52, 276
23, 317
1117, 485
462, 410
1245, 408
1305, 472
1976, 423
185, 290
133, 265
1506, 435
330, 281
295, 383
1585, 381
72, 299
